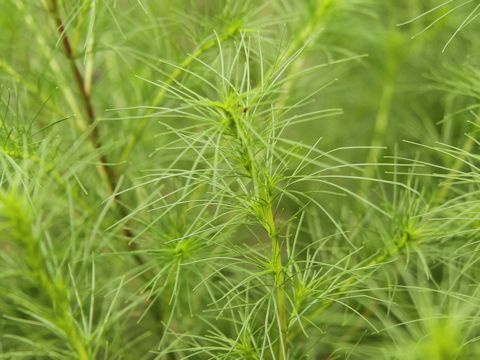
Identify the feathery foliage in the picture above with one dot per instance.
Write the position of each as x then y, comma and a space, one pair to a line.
239, 179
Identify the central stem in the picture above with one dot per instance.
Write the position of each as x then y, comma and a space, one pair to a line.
262, 193
277, 266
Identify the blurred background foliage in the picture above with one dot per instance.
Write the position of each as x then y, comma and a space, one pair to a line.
103, 239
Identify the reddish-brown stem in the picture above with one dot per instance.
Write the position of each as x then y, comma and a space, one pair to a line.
107, 172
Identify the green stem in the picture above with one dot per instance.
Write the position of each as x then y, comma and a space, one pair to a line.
319, 17
458, 164
31, 88
381, 122
323, 8
386, 101
264, 213
277, 265
171, 79
399, 246
54, 288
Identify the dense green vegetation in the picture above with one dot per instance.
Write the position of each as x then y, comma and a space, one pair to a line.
257, 179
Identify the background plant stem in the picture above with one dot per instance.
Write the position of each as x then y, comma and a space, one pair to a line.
106, 172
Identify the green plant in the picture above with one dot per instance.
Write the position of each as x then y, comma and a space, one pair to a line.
239, 180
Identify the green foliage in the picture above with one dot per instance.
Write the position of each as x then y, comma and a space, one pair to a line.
239, 179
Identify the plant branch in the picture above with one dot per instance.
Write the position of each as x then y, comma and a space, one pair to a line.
402, 242
171, 79
279, 282
458, 164
55, 289
106, 172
